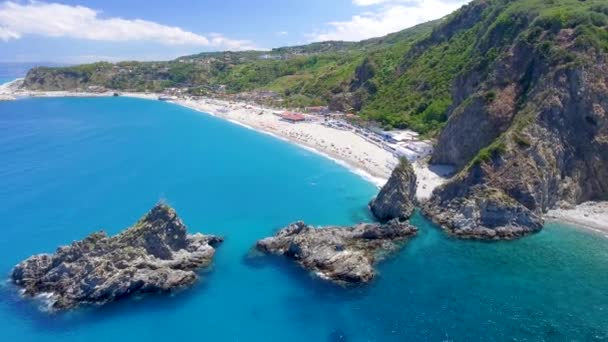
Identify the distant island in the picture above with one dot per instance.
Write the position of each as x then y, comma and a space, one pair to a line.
513, 93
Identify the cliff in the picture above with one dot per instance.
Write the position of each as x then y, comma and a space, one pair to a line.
529, 129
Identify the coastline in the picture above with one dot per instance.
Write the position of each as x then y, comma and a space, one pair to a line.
372, 163
590, 216
359, 156
345, 148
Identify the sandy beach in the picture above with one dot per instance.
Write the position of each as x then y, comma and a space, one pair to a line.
339, 145
361, 156
591, 215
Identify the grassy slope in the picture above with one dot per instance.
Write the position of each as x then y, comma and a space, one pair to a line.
588, 20
410, 73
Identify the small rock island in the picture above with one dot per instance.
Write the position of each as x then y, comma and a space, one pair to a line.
155, 255
344, 255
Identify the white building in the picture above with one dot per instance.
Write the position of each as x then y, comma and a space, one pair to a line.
396, 137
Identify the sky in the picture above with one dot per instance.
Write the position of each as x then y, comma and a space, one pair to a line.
79, 31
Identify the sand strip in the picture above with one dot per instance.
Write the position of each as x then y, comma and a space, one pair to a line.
591, 216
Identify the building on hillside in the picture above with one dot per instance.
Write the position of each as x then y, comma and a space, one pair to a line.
272, 57
396, 137
412, 150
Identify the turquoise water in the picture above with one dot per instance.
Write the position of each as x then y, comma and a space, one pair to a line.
72, 166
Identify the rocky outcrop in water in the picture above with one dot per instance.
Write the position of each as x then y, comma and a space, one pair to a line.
155, 255
344, 255
396, 198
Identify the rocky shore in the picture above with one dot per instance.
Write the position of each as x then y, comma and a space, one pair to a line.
397, 197
484, 214
347, 255
155, 255
343, 255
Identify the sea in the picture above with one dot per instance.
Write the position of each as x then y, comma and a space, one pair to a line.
72, 166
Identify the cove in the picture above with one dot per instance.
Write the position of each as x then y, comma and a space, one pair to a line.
71, 166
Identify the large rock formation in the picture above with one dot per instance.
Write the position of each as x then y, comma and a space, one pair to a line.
396, 198
339, 254
528, 128
484, 213
155, 255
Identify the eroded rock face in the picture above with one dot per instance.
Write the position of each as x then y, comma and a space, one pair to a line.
344, 255
483, 214
529, 127
154, 255
397, 197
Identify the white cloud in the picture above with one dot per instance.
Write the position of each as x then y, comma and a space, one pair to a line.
282, 33
386, 17
216, 39
6, 34
79, 22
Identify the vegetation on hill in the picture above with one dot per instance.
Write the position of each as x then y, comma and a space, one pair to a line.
515, 91
405, 79
528, 120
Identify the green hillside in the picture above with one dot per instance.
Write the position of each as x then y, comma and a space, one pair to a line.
405, 79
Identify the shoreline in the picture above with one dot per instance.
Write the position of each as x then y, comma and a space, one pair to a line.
376, 171
281, 130
589, 216
366, 175
369, 161
572, 222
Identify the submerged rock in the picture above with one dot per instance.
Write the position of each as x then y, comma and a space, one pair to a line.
154, 255
397, 196
339, 254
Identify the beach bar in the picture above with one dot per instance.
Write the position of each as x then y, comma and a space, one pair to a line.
292, 117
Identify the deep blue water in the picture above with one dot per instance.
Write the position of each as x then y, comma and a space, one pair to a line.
71, 166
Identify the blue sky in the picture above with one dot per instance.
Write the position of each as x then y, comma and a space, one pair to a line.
81, 31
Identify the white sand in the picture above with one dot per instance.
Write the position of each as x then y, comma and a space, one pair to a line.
590, 215
340, 145
361, 156
7, 89
345, 147
430, 177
